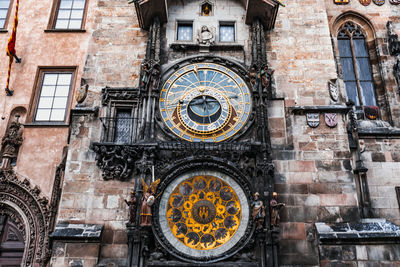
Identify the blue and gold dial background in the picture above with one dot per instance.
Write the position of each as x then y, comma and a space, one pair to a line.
205, 102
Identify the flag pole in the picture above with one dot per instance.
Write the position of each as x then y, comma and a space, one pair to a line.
11, 53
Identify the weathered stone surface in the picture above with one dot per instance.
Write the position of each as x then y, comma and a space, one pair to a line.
77, 231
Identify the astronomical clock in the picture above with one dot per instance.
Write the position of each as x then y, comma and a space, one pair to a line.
200, 128
205, 102
202, 214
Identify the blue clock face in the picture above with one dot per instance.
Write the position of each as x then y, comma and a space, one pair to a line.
205, 102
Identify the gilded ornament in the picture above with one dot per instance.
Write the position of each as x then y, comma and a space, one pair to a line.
209, 216
365, 2
378, 2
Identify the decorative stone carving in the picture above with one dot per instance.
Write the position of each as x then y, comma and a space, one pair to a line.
394, 45
394, 2
82, 92
116, 161
127, 93
333, 91
11, 142
206, 36
396, 71
31, 217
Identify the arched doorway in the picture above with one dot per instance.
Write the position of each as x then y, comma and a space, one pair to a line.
11, 243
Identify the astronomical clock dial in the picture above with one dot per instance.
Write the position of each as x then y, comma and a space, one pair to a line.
203, 214
205, 102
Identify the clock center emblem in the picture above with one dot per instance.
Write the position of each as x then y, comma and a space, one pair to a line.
203, 211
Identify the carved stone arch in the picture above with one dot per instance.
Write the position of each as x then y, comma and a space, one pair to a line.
358, 19
29, 211
368, 29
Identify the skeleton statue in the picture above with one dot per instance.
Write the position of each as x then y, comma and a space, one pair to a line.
275, 208
155, 77
132, 204
147, 201
206, 37
258, 211
253, 77
266, 77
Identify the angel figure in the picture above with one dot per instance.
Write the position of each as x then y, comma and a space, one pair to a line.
147, 201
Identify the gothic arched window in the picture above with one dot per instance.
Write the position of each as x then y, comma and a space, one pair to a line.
356, 69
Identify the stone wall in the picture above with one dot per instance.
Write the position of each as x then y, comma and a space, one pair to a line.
371, 242
313, 165
115, 51
360, 255
382, 158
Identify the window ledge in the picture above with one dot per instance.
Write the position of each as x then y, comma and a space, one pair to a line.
178, 46
376, 128
3, 31
65, 30
45, 124
301, 110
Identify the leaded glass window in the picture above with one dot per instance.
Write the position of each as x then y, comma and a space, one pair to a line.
185, 32
4, 6
70, 14
356, 69
227, 32
123, 126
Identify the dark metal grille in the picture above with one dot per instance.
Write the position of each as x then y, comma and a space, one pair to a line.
123, 126
120, 129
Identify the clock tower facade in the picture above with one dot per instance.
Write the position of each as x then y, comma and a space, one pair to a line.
216, 133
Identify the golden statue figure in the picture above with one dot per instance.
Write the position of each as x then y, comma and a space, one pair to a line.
147, 201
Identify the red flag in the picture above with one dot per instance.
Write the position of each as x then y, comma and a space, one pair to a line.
11, 49
13, 38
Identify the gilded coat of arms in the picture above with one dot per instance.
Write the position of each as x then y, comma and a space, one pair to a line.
371, 112
365, 2
312, 119
331, 119
341, 2
379, 2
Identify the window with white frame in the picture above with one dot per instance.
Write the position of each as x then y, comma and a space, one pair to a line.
53, 96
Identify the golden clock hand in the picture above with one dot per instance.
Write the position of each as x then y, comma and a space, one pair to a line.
195, 70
